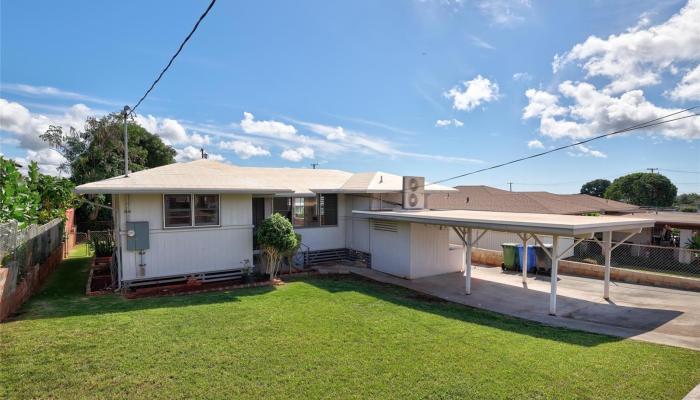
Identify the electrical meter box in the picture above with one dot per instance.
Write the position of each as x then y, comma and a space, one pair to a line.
137, 235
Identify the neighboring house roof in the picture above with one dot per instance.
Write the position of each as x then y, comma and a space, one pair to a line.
673, 219
485, 198
213, 176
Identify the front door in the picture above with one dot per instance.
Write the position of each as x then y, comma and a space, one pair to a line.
258, 217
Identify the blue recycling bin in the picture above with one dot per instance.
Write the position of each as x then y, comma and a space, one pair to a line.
531, 258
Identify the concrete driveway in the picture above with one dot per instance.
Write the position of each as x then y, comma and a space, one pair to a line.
658, 315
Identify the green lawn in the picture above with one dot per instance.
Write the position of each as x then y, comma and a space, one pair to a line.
314, 338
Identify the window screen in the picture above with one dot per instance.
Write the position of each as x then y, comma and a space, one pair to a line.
177, 210
328, 204
283, 206
206, 209
298, 211
310, 212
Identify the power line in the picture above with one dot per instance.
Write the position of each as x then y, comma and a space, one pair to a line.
647, 124
679, 171
182, 45
583, 180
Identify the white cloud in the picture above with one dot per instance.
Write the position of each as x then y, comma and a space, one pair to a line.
535, 144
47, 160
639, 56
441, 123
689, 87
542, 103
364, 143
585, 151
522, 77
504, 12
51, 92
330, 132
479, 42
191, 153
171, 131
244, 149
593, 112
297, 154
476, 92
269, 128
17, 119
199, 140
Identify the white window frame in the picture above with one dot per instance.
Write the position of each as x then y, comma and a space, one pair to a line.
192, 223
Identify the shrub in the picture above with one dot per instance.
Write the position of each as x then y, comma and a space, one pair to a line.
103, 246
276, 238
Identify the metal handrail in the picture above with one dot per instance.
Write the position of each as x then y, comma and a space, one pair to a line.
305, 253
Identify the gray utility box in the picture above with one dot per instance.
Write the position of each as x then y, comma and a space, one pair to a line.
137, 235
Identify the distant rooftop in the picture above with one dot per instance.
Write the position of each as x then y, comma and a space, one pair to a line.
486, 198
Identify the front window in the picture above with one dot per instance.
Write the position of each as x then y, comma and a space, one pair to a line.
283, 206
307, 212
206, 209
298, 212
178, 210
185, 210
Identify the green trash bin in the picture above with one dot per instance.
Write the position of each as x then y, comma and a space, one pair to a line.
510, 259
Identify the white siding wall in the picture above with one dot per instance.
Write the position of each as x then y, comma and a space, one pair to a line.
358, 228
188, 250
431, 253
391, 251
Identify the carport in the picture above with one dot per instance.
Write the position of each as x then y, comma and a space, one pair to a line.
526, 226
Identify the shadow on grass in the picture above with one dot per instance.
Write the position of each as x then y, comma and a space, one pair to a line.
651, 318
64, 296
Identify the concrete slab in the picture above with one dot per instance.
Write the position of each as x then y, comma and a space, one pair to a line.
651, 314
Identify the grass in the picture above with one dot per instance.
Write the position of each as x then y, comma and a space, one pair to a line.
313, 338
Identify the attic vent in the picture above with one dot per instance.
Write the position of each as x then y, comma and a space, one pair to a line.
386, 226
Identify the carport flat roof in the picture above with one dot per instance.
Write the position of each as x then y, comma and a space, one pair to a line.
548, 224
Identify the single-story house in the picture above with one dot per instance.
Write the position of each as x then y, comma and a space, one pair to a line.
198, 218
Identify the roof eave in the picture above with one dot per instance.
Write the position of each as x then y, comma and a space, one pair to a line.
112, 190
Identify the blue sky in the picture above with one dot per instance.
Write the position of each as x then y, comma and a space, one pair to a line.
432, 87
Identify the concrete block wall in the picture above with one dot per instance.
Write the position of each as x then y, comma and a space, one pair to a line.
495, 258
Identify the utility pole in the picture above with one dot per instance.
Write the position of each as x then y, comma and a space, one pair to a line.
510, 184
652, 169
314, 165
126, 142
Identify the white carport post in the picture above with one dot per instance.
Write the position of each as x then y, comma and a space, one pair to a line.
468, 263
607, 250
553, 281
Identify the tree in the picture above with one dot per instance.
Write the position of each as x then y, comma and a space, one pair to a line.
276, 238
18, 201
34, 199
643, 189
97, 152
595, 187
687, 202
